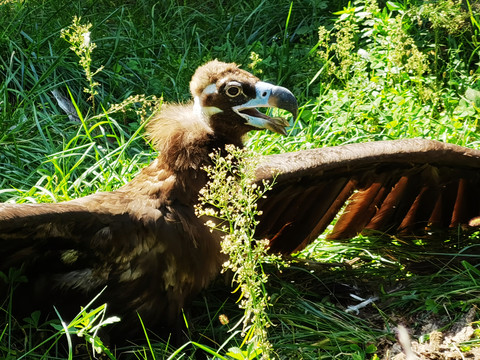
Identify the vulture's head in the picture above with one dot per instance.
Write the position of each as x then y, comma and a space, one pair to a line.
228, 98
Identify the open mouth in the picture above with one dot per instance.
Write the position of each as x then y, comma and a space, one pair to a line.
254, 113
271, 96
260, 120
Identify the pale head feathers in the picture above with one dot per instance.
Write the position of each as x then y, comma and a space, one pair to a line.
213, 72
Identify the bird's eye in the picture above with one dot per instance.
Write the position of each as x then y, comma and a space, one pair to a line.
233, 90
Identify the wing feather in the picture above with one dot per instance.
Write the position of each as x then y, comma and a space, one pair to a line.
400, 187
149, 260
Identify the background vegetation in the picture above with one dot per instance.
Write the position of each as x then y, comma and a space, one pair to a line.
362, 71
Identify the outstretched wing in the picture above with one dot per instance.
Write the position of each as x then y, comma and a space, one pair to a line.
398, 187
144, 256
41, 232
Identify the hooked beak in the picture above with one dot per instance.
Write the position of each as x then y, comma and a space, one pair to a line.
268, 95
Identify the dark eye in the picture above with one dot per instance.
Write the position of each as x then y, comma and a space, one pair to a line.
233, 90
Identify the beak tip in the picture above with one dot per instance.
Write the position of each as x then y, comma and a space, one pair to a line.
284, 99
295, 114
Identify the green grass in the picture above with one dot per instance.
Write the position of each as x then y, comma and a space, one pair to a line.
400, 70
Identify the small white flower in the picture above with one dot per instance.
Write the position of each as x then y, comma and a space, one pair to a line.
363, 54
86, 39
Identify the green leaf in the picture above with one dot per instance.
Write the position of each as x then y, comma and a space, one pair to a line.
236, 353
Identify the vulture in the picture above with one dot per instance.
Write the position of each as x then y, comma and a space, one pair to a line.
146, 249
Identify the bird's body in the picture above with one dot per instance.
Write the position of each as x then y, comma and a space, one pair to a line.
143, 243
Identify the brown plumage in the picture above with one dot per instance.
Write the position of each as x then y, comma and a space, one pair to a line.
144, 243
405, 188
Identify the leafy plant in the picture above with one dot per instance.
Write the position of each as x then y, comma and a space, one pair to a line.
78, 36
229, 200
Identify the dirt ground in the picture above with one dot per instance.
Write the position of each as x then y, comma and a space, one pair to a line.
448, 345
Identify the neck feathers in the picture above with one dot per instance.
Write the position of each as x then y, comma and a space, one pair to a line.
181, 136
